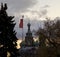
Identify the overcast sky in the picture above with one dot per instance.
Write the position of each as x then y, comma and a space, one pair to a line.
33, 10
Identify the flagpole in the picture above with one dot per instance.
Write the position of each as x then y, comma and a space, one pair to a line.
22, 34
21, 25
22, 28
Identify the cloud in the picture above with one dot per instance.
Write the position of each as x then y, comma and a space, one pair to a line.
46, 6
18, 8
18, 5
43, 12
33, 14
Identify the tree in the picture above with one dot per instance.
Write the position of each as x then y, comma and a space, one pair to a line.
7, 33
52, 29
51, 32
48, 31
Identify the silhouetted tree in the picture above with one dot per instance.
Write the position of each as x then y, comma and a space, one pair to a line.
52, 29
7, 34
51, 32
48, 32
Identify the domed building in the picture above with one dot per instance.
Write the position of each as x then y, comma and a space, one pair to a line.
29, 38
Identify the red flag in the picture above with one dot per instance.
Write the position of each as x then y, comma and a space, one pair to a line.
21, 23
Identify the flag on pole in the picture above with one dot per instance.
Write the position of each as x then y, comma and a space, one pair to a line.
21, 23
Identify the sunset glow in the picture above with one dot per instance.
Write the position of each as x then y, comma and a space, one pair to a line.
18, 43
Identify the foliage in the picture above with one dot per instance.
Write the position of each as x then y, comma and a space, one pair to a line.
22, 44
35, 43
51, 32
7, 34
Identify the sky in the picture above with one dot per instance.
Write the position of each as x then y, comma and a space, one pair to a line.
34, 11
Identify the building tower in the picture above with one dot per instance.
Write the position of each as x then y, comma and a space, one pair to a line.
29, 38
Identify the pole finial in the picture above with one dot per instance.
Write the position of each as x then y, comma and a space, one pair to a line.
22, 16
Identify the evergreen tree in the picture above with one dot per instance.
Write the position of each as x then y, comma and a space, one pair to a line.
7, 34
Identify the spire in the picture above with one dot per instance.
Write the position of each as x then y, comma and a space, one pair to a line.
29, 38
28, 26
